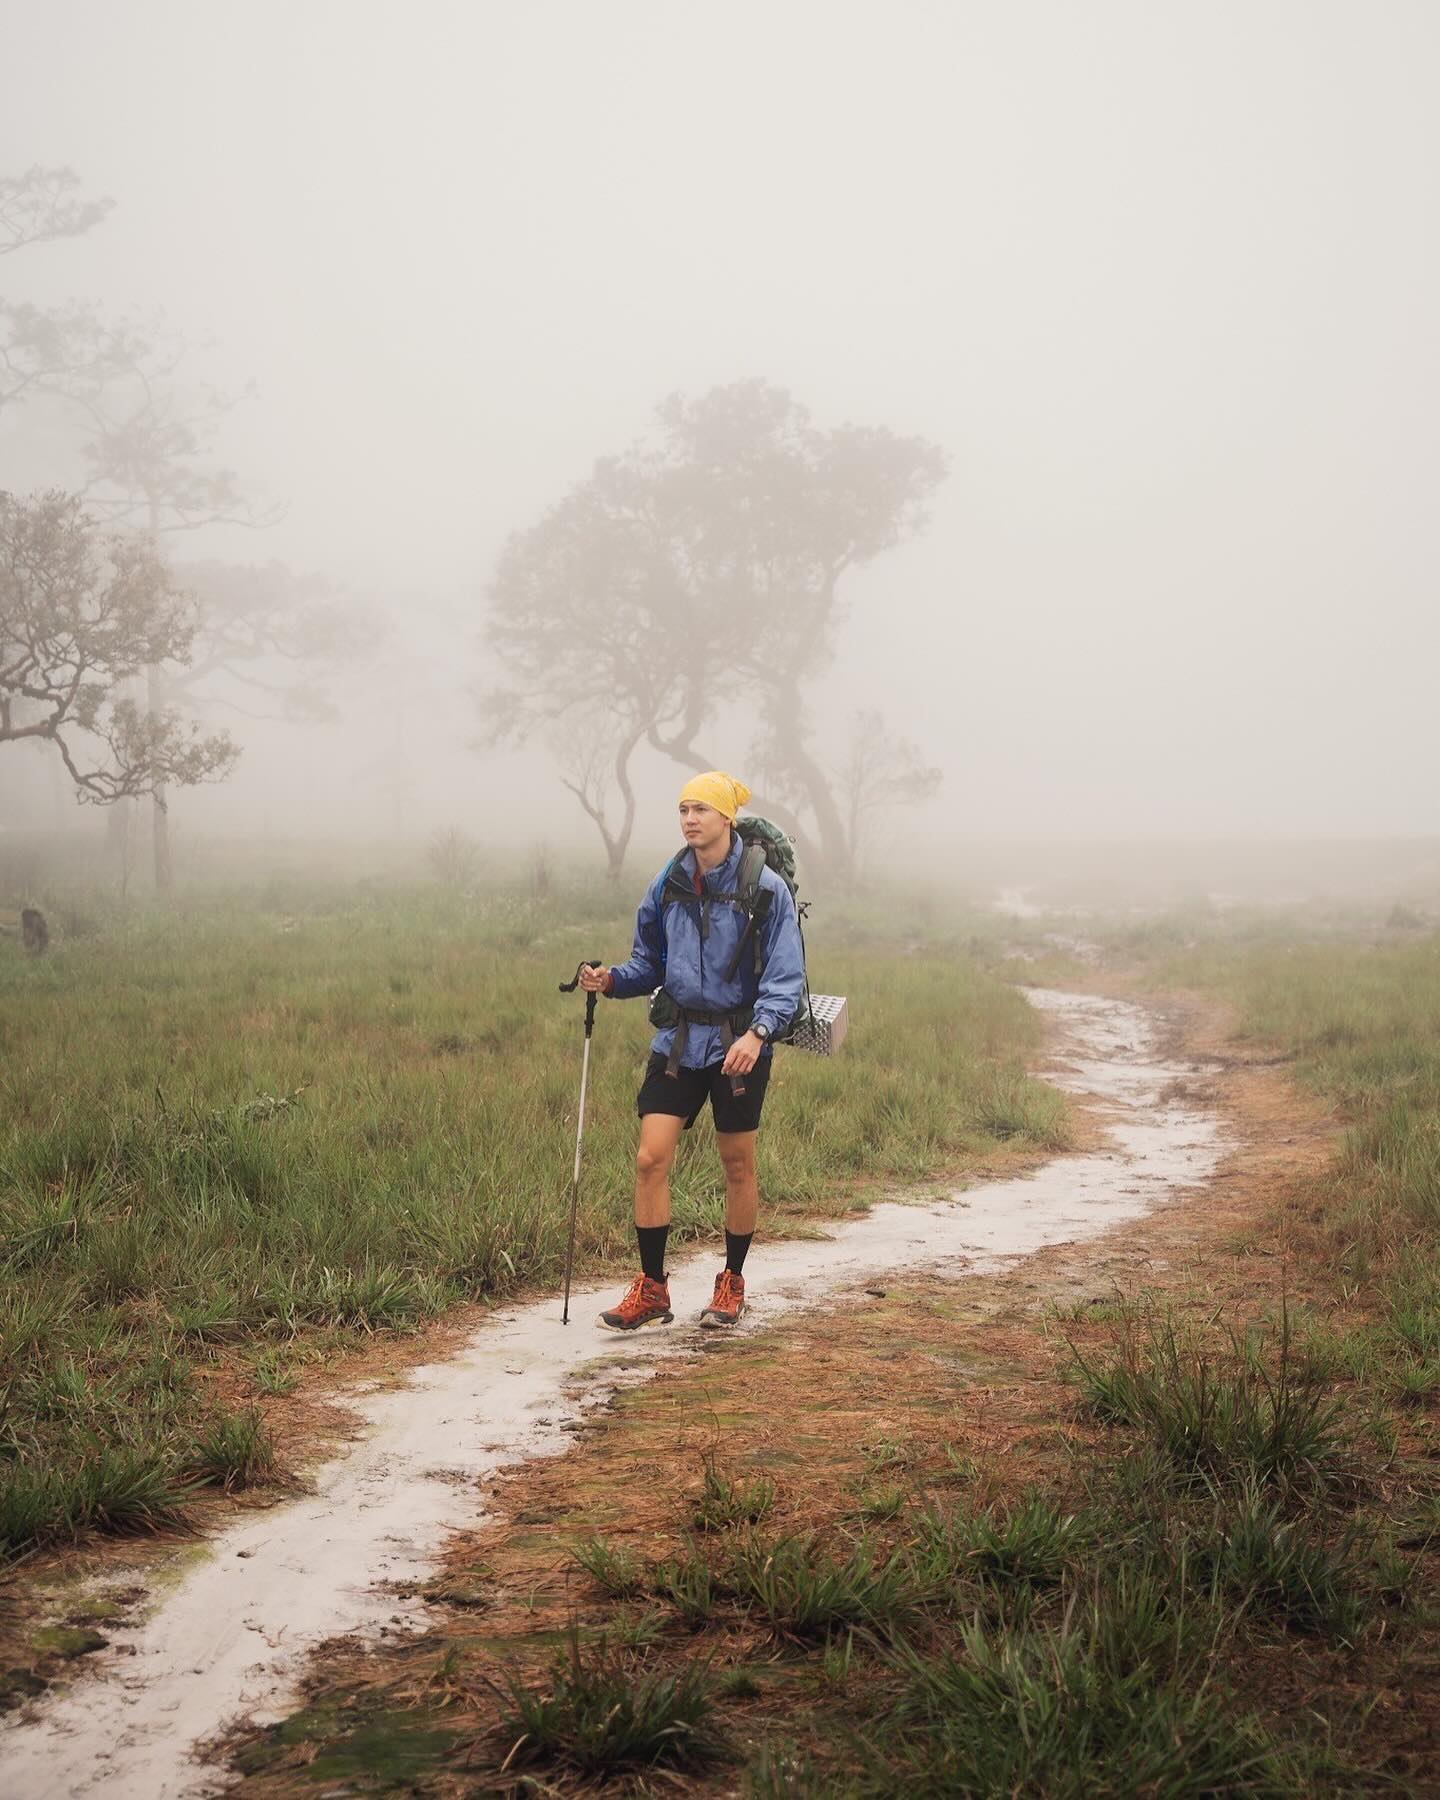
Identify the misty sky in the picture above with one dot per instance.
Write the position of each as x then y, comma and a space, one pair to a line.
1162, 278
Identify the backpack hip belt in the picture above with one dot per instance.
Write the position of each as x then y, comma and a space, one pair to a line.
732, 1025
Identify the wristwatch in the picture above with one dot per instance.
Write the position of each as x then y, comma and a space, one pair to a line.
762, 1032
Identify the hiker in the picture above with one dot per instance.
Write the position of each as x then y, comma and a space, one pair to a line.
731, 982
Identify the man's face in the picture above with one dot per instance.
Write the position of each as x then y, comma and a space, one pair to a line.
701, 824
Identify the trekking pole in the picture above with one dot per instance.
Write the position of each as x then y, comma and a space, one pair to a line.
569, 987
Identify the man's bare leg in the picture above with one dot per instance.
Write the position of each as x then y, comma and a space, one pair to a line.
648, 1300
742, 1203
659, 1139
742, 1194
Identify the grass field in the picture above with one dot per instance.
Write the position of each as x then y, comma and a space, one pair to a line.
1362, 1021
246, 1129
243, 1134
1086, 1638
1225, 1567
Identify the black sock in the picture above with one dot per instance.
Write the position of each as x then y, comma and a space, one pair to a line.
652, 1249
735, 1248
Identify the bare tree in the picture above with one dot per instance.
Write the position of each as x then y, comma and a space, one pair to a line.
455, 859
882, 771
82, 612
593, 752
700, 572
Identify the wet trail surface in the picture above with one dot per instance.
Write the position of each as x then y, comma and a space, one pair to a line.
228, 1637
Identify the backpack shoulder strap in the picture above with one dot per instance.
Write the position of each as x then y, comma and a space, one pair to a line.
676, 884
755, 900
752, 864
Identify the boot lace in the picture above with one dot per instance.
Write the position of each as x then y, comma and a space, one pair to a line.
634, 1297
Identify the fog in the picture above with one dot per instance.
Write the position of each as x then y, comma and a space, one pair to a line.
1161, 281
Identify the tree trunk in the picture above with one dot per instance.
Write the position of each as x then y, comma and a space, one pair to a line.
835, 846
121, 835
617, 850
117, 833
58, 793
591, 791
159, 800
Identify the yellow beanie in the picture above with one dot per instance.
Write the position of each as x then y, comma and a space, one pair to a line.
717, 789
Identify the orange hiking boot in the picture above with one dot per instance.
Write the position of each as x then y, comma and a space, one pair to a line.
729, 1301
646, 1302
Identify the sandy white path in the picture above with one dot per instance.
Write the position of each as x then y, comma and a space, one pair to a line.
229, 1638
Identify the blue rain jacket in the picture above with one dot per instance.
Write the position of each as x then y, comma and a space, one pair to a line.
687, 945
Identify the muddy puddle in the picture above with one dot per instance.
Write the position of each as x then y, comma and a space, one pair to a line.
227, 1636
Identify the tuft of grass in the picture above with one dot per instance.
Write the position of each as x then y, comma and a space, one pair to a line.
961, 1468
688, 1583
883, 1500
232, 1450
122, 1491
1277, 1568
637, 1629
805, 1590
1254, 1421
724, 1501
1032, 1544
1416, 1384
617, 1570
1068, 1711
603, 1716
1011, 1106
883, 1454
273, 1372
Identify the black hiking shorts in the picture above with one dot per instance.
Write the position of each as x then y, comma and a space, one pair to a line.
684, 1093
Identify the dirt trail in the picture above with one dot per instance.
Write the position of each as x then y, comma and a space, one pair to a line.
230, 1636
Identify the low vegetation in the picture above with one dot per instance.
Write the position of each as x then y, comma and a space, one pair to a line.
1360, 1018
246, 1132
601, 1716
1098, 1632
1206, 1591
1241, 1498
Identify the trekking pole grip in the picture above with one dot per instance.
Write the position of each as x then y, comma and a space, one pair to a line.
569, 987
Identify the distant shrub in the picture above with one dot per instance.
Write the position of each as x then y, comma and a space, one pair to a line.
454, 859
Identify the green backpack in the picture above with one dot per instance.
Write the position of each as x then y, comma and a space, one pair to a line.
766, 846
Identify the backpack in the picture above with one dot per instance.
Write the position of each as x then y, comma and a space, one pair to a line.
766, 846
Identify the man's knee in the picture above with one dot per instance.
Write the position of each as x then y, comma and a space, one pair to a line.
737, 1159
652, 1160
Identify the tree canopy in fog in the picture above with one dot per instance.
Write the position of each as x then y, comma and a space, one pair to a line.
81, 613
83, 609
272, 631
694, 576
46, 348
